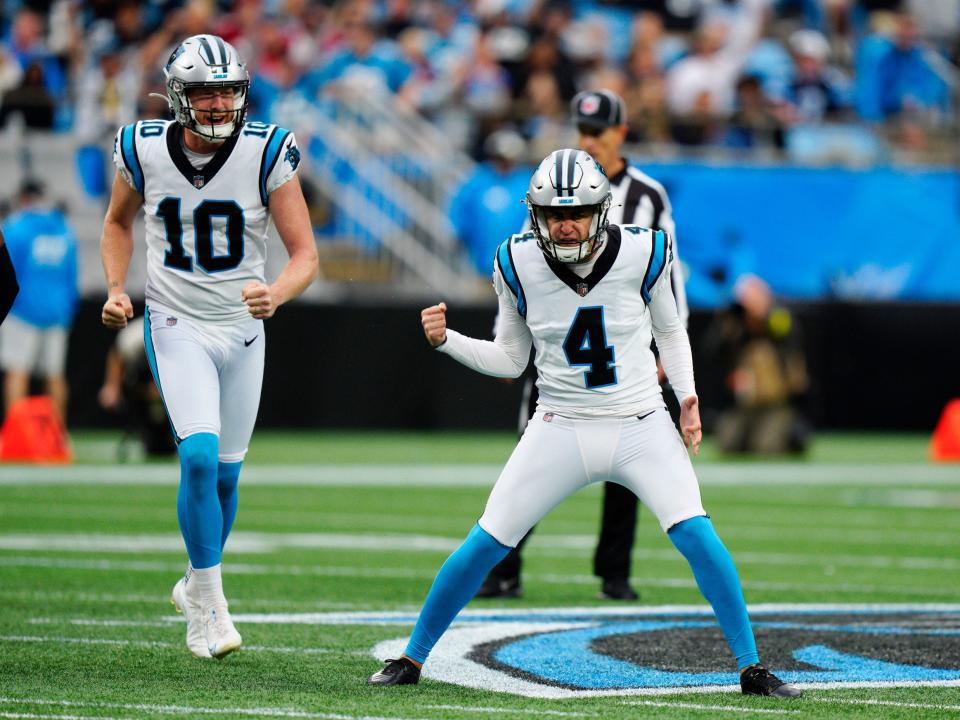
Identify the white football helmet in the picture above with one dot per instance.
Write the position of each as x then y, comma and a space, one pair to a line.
206, 61
569, 178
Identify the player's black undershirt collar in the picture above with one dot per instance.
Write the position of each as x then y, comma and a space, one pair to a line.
582, 285
197, 178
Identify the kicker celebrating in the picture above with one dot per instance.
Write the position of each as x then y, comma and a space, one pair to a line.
586, 295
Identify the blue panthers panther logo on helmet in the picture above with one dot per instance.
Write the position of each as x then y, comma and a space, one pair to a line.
178, 51
292, 156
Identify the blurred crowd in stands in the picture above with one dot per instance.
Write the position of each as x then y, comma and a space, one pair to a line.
808, 79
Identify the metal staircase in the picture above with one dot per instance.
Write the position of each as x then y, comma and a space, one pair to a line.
387, 173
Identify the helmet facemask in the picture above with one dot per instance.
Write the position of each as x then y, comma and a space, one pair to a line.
565, 251
187, 115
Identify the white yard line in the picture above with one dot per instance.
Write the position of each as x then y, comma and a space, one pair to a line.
714, 708
74, 598
162, 644
918, 590
238, 602
467, 475
266, 543
292, 713
836, 536
36, 716
240, 542
97, 623
85, 641
394, 616
484, 475
891, 703
190, 710
509, 711
235, 568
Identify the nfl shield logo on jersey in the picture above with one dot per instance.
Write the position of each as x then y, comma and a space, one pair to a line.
198, 181
583, 289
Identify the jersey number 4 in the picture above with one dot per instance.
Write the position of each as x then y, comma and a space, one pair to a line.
176, 257
586, 344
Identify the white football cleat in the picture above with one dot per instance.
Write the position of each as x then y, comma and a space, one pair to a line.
193, 613
221, 636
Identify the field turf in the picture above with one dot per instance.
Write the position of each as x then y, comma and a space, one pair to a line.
342, 523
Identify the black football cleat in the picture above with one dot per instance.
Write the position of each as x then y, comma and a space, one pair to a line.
617, 590
757, 680
397, 672
494, 587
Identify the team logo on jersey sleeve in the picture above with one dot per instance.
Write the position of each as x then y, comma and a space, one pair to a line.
292, 156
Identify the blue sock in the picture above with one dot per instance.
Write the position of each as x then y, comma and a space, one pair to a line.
198, 508
455, 585
228, 474
718, 581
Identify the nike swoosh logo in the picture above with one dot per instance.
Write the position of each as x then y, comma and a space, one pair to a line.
248, 343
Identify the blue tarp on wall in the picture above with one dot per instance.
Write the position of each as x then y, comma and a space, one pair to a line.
817, 233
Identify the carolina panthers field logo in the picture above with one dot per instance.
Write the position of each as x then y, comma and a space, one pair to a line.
577, 652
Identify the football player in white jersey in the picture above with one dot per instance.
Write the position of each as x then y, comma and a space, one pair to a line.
209, 184
586, 295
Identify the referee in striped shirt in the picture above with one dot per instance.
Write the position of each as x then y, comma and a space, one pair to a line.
638, 199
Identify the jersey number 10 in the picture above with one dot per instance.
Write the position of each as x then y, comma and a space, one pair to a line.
176, 257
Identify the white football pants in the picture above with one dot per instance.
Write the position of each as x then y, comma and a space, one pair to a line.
557, 456
209, 376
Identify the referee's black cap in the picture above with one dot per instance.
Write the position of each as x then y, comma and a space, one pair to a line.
599, 109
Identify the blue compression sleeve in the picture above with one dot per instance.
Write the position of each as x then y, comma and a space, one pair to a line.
717, 579
455, 585
228, 475
198, 508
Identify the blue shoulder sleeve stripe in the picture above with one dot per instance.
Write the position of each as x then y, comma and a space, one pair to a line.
658, 259
128, 150
271, 153
505, 263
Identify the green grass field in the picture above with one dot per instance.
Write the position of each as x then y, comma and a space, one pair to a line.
339, 523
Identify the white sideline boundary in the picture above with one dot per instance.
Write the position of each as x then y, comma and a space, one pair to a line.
176, 567
484, 475
260, 543
187, 710
308, 715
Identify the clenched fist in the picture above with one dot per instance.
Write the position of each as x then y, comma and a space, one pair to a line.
116, 311
434, 320
258, 299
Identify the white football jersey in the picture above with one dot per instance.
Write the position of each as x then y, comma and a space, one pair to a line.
591, 335
206, 229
